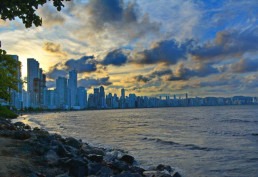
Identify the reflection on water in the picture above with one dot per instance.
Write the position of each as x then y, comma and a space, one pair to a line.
202, 141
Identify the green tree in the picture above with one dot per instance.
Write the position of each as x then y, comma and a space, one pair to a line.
25, 10
8, 75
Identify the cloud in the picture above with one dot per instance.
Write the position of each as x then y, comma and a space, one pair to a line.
81, 65
51, 17
116, 57
227, 44
56, 71
54, 48
244, 66
84, 64
184, 73
168, 51
90, 82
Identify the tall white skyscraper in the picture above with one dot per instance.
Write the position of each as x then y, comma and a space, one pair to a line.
72, 87
32, 80
61, 91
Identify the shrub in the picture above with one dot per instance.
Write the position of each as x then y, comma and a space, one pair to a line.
6, 113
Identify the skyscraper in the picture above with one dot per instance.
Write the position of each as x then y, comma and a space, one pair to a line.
72, 88
16, 95
32, 76
61, 91
82, 97
102, 101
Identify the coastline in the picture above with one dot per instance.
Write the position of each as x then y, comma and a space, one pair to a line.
36, 152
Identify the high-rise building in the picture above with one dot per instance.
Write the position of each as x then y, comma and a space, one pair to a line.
16, 95
82, 97
72, 88
61, 92
33, 82
96, 97
122, 98
102, 100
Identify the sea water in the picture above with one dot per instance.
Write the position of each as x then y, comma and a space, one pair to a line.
198, 141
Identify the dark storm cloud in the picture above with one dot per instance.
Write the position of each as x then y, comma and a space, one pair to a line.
92, 82
84, 64
56, 71
168, 51
115, 17
228, 44
184, 73
244, 66
116, 57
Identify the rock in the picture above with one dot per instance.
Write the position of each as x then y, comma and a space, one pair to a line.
136, 169
19, 125
78, 167
86, 149
162, 167
95, 158
105, 172
73, 142
22, 135
63, 175
52, 158
128, 174
176, 174
61, 151
128, 159
119, 166
94, 168
27, 127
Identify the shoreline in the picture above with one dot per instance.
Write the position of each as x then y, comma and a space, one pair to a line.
36, 152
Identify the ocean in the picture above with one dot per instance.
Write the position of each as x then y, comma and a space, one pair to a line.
197, 141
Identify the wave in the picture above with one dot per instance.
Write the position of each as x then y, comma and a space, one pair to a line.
179, 145
239, 121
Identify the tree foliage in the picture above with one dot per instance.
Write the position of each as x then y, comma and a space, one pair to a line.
8, 75
25, 10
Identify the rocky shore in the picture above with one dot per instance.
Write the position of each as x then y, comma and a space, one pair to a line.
27, 152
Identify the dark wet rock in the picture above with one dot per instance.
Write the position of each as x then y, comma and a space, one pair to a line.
136, 169
128, 174
40, 149
176, 174
94, 168
105, 172
162, 167
86, 150
119, 166
73, 142
27, 127
21, 135
19, 124
63, 175
95, 158
52, 158
61, 151
6, 133
128, 159
78, 167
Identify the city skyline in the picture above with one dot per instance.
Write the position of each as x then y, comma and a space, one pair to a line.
149, 48
67, 95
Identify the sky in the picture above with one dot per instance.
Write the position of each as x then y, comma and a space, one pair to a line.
148, 47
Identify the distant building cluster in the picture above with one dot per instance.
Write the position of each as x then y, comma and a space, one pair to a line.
67, 95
